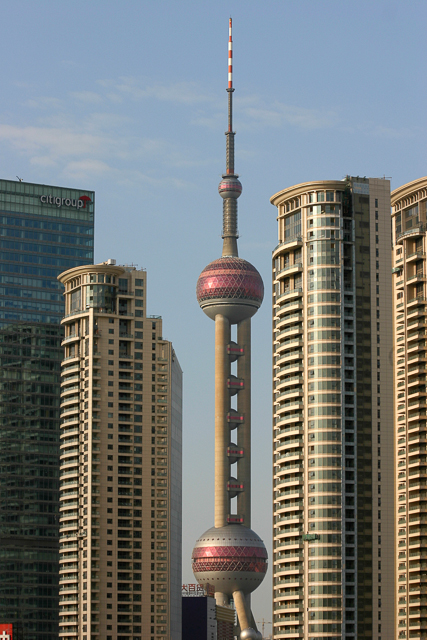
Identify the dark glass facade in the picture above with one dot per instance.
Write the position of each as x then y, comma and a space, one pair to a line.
43, 231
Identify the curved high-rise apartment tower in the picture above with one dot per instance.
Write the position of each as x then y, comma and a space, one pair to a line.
230, 557
409, 208
333, 416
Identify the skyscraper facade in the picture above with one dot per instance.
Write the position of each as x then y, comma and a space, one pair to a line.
409, 205
121, 415
44, 230
333, 415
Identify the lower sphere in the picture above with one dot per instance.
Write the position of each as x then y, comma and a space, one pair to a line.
230, 558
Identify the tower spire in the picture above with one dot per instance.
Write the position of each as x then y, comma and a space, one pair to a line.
230, 187
230, 134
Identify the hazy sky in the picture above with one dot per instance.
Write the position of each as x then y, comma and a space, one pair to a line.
128, 98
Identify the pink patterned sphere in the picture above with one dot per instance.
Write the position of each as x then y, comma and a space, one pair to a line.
230, 558
230, 286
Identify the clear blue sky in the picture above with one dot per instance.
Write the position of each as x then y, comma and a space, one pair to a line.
128, 98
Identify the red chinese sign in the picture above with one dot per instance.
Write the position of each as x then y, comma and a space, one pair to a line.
196, 590
6, 631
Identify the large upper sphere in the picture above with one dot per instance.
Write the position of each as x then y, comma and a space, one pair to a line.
230, 558
230, 286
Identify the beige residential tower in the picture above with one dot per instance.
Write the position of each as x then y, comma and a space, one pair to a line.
333, 421
120, 473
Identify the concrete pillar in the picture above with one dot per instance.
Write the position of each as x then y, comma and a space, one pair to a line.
244, 431
222, 430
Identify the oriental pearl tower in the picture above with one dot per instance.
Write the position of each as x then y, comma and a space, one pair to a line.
230, 556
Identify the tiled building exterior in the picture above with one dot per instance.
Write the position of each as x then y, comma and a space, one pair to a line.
120, 515
333, 416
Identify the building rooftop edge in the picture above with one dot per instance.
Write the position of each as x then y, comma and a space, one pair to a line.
304, 186
42, 184
102, 266
405, 189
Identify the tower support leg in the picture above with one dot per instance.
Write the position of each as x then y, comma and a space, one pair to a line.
244, 614
244, 431
222, 429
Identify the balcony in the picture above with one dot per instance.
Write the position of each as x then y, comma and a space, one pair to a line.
287, 307
292, 318
285, 382
286, 295
416, 231
289, 331
416, 301
294, 241
289, 269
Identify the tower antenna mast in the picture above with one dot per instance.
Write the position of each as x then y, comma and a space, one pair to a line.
229, 133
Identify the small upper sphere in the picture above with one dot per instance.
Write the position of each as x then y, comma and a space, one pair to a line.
230, 286
230, 558
230, 187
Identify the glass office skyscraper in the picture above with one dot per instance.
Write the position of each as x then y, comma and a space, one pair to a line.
44, 230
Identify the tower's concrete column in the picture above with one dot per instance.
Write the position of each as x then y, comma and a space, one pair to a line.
222, 402
244, 431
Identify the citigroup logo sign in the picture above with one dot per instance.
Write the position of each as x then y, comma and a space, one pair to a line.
76, 203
